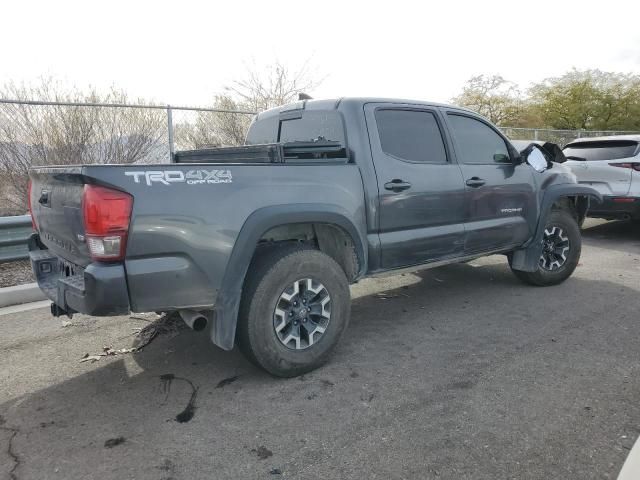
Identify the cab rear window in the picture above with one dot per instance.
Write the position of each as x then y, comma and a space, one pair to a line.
604, 150
309, 126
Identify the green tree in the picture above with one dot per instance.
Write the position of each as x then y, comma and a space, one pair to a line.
589, 100
493, 97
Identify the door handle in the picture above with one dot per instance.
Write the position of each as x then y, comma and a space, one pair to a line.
397, 185
475, 182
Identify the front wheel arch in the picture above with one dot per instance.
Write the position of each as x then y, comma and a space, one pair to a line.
550, 269
526, 259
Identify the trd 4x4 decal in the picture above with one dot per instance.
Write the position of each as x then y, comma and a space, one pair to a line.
191, 177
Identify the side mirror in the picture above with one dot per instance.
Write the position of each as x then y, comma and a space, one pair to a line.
557, 155
534, 156
501, 158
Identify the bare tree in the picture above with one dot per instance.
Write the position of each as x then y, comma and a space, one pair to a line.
275, 86
260, 90
213, 129
37, 135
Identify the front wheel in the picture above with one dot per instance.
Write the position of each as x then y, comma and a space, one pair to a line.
295, 307
562, 244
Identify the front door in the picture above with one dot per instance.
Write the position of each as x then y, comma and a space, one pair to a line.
500, 196
421, 192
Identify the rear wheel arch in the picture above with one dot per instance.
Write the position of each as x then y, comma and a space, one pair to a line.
331, 228
329, 238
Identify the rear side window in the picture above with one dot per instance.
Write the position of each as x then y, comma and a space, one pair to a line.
410, 135
308, 127
605, 150
477, 142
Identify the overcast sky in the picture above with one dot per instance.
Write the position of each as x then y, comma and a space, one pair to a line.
183, 52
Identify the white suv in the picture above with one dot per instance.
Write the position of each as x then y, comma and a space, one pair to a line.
611, 165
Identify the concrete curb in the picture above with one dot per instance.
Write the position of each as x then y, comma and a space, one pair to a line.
19, 294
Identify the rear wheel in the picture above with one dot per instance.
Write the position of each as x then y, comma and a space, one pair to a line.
562, 245
295, 307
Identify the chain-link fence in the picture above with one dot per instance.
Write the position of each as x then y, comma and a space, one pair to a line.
37, 133
53, 133
561, 137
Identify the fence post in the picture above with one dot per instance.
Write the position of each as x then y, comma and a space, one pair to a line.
579, 134
535, 134
170, 130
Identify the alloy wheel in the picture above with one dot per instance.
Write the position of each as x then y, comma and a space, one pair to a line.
555, 247
302, 314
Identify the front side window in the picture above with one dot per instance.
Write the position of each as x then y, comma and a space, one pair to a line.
477, 142
410, 135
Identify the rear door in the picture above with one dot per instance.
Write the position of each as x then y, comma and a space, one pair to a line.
603, 164
500, 197
421, 193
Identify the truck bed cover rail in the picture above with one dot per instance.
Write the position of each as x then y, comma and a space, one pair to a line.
321, 150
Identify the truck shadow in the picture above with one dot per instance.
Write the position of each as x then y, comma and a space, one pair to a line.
448, 327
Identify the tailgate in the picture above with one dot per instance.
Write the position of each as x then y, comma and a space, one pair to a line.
56, 203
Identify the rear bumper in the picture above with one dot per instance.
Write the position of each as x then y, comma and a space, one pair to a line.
613, 207
99, 289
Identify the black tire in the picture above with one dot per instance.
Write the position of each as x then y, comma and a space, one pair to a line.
544, 276
270, 275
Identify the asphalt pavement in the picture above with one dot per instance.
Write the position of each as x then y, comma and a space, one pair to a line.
460, 372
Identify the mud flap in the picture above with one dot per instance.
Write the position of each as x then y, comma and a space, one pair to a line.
223, 320
527, 259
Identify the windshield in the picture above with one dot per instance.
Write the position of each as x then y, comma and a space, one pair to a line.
604, 150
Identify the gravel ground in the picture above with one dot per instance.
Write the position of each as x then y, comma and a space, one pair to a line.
460, 372
16, 273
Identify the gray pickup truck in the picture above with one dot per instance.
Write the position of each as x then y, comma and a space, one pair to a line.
257, 245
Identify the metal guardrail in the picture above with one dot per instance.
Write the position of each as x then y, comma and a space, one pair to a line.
14, 233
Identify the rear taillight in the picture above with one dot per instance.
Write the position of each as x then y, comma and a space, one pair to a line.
33, 220
633, 165
106, 214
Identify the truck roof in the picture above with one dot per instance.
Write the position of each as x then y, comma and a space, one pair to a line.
334, 103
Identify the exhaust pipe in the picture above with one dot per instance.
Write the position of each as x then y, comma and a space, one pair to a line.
626, 217
195, 320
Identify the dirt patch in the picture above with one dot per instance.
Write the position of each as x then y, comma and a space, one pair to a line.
16, 273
